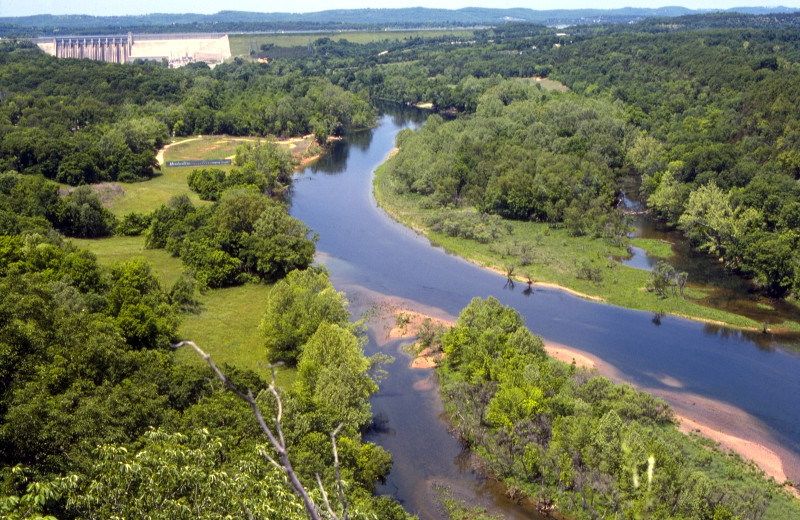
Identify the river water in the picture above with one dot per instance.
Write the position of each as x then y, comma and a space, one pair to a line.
750, 387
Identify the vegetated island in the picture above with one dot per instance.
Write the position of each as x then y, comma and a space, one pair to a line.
543, 426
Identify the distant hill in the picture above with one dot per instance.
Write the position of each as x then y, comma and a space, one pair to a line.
239, 21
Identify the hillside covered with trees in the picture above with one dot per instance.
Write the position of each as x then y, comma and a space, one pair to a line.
98, 420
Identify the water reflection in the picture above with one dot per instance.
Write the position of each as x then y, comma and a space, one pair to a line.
368, 253
725, 290
638, 259
334, 161
360, 140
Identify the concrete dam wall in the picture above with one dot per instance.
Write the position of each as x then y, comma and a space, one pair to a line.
177, 49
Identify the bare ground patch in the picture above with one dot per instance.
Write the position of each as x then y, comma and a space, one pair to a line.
107, 192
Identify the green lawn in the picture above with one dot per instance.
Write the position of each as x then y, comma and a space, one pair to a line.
226, 325
241, 43
166, 267
144, 197
226, 328
555, 257
211, 147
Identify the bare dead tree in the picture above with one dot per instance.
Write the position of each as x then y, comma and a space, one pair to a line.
278, 442
682, 278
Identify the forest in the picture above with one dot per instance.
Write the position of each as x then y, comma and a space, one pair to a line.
98, 419
704, 117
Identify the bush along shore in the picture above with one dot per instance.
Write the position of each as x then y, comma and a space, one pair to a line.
577, 443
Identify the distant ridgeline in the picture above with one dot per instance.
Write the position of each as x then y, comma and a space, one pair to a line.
177, 49
344, 19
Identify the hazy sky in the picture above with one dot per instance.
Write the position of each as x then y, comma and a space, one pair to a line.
106, 7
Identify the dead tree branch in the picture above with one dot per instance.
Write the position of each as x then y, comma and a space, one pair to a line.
278, 443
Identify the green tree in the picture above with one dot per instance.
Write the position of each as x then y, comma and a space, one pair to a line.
296, 307
81, 214
278, 245
334, 374
177, 475
708, 219
661, 278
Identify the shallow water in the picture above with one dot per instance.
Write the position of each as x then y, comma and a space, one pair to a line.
726, 291
373, 258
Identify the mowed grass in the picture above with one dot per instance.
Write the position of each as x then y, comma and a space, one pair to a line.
212, 147
226, 328
242, 43
226, 325
147, 196
558, 258
166, 267
144, 197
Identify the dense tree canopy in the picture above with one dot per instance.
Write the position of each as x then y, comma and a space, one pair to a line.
525, 154
245, 235
82, 121
592, 448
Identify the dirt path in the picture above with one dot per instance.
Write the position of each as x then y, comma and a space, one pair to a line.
160, 154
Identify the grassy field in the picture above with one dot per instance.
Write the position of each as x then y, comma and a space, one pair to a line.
560, 259
226, 325
213, 147
227, 329
146, 196
242, 43
166, 267
657, 248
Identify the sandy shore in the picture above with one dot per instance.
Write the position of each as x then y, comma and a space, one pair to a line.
766, 459
409, 326
567, 355
539, 284
731, 428
735, 430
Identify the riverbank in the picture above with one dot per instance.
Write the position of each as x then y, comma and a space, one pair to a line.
730, 429
550, 257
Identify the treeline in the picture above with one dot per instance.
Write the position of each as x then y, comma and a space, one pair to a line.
81, 121
449, 72
719, 157
376, 19
579, 443
525, 154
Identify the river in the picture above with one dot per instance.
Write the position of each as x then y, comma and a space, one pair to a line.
750, 387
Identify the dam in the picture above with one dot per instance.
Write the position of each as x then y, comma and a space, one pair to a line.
176, 49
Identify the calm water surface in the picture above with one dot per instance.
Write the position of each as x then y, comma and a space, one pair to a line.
372, 257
